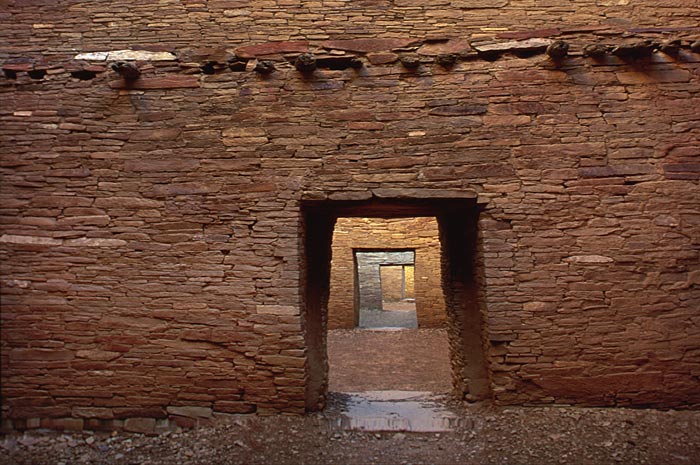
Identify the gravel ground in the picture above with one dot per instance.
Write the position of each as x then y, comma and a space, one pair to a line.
490, 435
404, 360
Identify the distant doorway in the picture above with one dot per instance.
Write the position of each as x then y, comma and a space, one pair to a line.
385, 292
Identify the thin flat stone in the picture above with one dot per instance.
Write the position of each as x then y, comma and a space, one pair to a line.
515, 45
126, 55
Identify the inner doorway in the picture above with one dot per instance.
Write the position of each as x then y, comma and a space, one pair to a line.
460, 278
384, 283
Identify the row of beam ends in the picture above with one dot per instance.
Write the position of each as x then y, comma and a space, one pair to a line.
307, 63
557, 51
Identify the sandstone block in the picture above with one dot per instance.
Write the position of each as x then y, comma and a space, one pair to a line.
191, 188
162, 82
126, 55
277, 310
395, 193
93, 412
41, 355
245, 132
459, 110
29, 240
140, 425
351, 115
616, 170
155, 134
521, 35
454, 46
382, 58
478, 4
535, 44
272, 48
161, 165
94, 242
190, 411
283, 361
127, 202
588, 259
368, 45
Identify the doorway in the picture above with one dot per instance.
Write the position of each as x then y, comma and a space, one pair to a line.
384, 284
460, 285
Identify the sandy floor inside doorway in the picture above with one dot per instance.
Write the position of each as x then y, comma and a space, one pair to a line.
407, 359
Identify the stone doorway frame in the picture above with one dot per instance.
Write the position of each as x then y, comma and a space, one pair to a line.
357, 291
457, 213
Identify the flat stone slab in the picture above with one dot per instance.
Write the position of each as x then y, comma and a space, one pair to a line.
516, 45
412, 411
125, 55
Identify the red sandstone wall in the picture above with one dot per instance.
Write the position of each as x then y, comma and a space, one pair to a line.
150, 237
420, 234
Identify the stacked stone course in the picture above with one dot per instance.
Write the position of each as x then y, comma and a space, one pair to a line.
151, 235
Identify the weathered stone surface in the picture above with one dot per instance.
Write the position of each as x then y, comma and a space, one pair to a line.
277, 310
283, 361
382, 58
140, 425
119, 55
459, 110
529, 34
588, 259
126, 202
155, 134
369, 45
159, 165
189, 188
152, 232
272, 48
41, 354
157, 82
621, 170
94, 242
536, 44
190, 411
93, 412
478, 4
456, 46
393, 193
30, 240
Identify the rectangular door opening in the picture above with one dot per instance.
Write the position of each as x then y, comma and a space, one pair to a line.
334, 296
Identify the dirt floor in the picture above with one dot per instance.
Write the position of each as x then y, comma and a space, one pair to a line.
401, 314
370, 360
485, 434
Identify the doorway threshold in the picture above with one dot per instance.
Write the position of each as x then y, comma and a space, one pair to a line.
408, 411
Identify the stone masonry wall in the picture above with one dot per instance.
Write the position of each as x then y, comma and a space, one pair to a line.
409, 281
420, 234
150, 230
